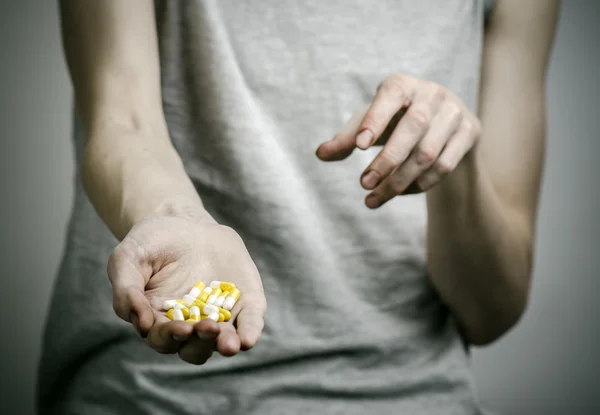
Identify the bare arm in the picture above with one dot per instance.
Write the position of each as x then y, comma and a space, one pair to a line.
130, 169
482, 217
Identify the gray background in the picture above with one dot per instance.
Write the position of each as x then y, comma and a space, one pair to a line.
547, 365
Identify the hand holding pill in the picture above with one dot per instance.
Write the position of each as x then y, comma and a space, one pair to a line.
188, 287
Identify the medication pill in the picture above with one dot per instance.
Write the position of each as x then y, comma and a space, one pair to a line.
213, 297
174, 314
188, 300
207, 290
203, 296
215, 284
209, 308
214, 316
221, 298
192, 321
169, 304
227, 286
221, 318
195, 312
200, 285
231, 299
225, 313
194, 292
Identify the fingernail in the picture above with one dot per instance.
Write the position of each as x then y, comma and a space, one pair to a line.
372, 201
363, 140
136, 323
370, 179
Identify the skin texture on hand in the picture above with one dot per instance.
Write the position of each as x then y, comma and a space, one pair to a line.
425, 131
162, 258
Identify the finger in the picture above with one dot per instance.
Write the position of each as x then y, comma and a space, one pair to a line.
228, 341
393, 94
402, 181
411, 129
458, 146
200, 347
343, 143
127, 278
166, 336
250, 323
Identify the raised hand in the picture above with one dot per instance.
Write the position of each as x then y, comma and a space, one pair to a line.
425, 131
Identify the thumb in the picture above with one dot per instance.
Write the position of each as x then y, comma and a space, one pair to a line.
128, 277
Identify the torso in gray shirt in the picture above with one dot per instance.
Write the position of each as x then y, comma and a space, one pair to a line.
250, 89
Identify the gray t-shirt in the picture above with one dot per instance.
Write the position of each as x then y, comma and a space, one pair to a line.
250, 89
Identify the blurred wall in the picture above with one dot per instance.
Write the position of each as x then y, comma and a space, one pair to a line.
548, 365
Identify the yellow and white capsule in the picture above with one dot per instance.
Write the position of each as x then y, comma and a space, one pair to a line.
169, 304
226, 314
215, 284
231, 299
175, 314
227, 286
221, 298
213, 296
188, 300
195, 312
196, 289
214, 316
203, 296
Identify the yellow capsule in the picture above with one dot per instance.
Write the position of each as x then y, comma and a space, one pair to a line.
226, 314
227, 286
203, 296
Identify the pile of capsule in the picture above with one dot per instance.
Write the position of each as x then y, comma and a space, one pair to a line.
214, 302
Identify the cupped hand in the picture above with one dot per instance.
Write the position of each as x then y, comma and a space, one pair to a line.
162, 258
425, 131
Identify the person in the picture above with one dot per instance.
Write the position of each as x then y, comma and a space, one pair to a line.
369, 263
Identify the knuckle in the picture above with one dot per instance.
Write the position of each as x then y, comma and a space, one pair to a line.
418, 119
395, 84
453, 110
438, 92
443, 167
396, 186
472, 126
389, 158
425, 155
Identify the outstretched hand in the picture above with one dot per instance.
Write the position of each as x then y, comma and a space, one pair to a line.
162, 258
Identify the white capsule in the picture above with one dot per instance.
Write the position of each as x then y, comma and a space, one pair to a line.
229, 303
188, 300
215, 284
214, 316
169, 304
194, 292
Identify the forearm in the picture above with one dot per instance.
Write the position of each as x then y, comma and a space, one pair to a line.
479, 252
129, 175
